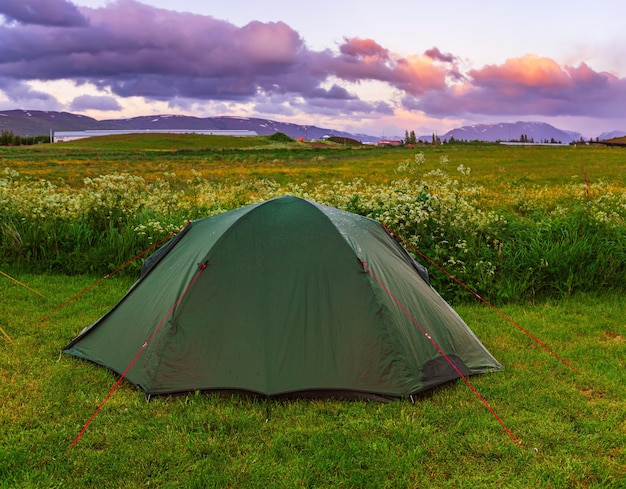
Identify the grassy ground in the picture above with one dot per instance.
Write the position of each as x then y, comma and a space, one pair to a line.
572, 426
222, 158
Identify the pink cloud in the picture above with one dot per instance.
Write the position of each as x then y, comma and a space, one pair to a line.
529, 85
364, 59
529, 70
360, 48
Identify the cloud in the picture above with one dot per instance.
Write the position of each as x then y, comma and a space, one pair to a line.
437, 55
172, 55
361, 48
42, 12
364, 59
20, 92
175, 56
94, 102
528, 85
131, 49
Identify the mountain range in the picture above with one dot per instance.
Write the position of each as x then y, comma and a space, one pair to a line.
512, 131
36, 123
39, 123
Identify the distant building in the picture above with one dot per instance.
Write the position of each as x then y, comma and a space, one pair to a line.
389, 142
65, 136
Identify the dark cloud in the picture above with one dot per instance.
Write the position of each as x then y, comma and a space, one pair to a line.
347, 107
94, 102
437, 55
335, 93
185, 55
42, 12
139, 50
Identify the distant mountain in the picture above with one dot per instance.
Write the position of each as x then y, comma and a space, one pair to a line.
509, 131
37, 123
261, 126
612, 134
40, 123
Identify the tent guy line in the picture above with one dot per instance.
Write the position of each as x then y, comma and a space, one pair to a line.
22, 284
134, 360
6, 337
310, 262
286, 310
110, 274
443, 354
484, 301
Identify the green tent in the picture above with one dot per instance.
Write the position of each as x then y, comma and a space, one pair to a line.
284, 297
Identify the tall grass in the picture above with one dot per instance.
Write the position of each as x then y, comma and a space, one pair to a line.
535, 242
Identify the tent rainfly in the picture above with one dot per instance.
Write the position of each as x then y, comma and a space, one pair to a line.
284, 298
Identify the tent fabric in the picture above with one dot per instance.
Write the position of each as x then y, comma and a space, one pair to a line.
285, 306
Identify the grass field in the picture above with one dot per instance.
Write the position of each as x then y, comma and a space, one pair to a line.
217, 157
515, 222
572, 426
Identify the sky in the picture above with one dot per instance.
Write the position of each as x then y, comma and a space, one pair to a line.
376, 68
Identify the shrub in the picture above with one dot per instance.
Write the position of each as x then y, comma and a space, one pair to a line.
280, 137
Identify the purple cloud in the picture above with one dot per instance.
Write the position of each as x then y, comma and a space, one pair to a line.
43, 12
172, 54
94, 102
20, 92
193, 56
437, 55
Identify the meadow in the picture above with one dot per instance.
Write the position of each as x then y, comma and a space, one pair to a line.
514, 223
539, 231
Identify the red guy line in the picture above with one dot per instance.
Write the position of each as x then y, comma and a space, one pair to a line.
438, 348
141, 350
475, 294
110, 274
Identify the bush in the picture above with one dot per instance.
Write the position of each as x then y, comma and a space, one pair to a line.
280, 137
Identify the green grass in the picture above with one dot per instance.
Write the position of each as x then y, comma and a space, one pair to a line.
562, 209
230, 158
572, 426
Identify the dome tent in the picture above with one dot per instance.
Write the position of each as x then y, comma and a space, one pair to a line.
284, 297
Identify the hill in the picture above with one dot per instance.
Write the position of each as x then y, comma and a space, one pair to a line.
39, 123
616, 141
